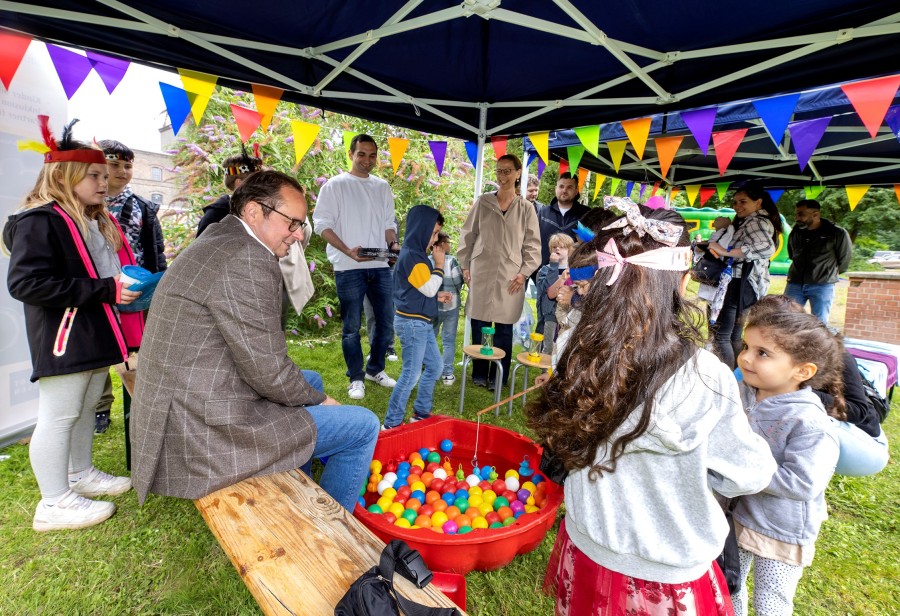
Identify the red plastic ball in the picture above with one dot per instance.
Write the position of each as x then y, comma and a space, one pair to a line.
492, 517
499, 486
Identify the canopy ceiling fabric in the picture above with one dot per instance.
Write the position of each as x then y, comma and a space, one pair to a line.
489, 67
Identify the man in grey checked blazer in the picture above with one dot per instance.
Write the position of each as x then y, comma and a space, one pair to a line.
217, 398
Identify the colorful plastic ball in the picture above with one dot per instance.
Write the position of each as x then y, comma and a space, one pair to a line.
446, 445
509, 521
504, 512
375, 508
523, 495
517, 506
461, 504
417, 486
383, 485
511, 473
463, 530
403, 465
448, 497
510, 496
410, 515
475, 500
452, 512
479, 522
498, 486
361, 501
462, 494
439, 473
512, 484
499, 502
389, 493
519, 514
463, 520
488, 496
390, 476
450, 527
486, 473
419, 495
401, 481
417, 468
537, 478
485, 508
491, 517
404, 490
440, 505
475, 490
433, 457
401, 498
438, 518
432, 466
375, 466
473, 479
389, 517
427, 509
397, 509
384, 502
496, 525
403, 523
424, 452
413, 503
485, 485
423, 521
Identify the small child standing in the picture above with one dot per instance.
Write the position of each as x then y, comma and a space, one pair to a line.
549, 282
416, 285
785, 355
722, 234
448, 308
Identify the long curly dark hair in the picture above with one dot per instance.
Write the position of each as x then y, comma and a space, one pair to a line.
632, 337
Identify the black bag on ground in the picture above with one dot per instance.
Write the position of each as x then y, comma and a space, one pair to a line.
373, 593
708, 269
730, 559
882, 406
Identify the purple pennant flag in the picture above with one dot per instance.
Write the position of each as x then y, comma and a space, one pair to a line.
806, 136
439, 151
700, 121
177, 105
775, 114
472, 152
110, 70
72, 68
641, 192
541, 166
775, 194
892, 117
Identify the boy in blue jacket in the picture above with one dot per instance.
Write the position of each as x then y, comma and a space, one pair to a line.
416, 284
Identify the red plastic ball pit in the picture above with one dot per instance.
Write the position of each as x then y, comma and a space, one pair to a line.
479, 549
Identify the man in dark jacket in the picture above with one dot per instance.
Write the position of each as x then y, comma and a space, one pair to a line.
819, 251
562, 215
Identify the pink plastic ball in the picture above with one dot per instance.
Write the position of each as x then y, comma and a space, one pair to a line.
450, 527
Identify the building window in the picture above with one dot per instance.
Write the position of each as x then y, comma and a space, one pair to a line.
157, 198
156, 174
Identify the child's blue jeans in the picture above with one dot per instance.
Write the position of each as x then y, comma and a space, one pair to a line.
419, 346
449, 322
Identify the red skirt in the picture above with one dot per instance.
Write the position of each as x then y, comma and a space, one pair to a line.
584, 588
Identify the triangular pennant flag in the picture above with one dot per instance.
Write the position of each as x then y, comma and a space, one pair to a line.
616, 151
498, 142
304, 136
775, 193
12, 50
637, 131
177, 105
666, 148
655, 188
722, 189
700, 121
574, 152
200, 88
540, 141
531, 157
614, 185
629, 186
871, 99
641, 192
727, 143
582, 178
472, 153
110, 70
248, 120
806, 136
897, 192
72, 68
672, 194
598, 182
439, 151
692, 190
892, 118
563, 166
775, 114
266, 98
397, 147
348, 138
706, 192
811, 192
855, 193
541, 166
590, 138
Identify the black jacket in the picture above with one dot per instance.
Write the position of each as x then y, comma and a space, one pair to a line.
551, 221
818, 256
151, 238
860, 411
214, 212
70, 319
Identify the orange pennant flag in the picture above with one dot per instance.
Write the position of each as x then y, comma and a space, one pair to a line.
247, 121
266, 98
726, 144
897, 192
616, 152
563, 166
637, 131
666, 149
499, 145
692, 191
706, 192
855, 193
398, 148
582, 177
871, 99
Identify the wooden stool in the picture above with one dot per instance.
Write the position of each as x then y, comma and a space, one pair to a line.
523, 360
473, 351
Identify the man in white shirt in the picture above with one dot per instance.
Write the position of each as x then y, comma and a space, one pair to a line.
356, 210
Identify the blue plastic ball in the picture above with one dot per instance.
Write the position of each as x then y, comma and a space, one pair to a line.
418, 495
486, 472
361, 501
446, 445
448, 497
462, 494
537, 478
403, 466
424, 452
401, 481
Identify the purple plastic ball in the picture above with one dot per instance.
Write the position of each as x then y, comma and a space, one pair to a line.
523, 495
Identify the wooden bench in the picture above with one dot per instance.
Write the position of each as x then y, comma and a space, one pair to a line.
294, 547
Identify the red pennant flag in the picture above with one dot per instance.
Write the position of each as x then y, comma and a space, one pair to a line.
12, 50
706, 191
563, 166
248, 120
655, 188
499, 145
871, 99
726, 143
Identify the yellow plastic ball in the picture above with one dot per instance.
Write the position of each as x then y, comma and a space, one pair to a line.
389, 493
438, 518
384, 502
402, 523
484, 509
475, 490
475, 500
512, 473
528, 486
397, 509
479, 522
530, 509
375, 466
418, 485
488, 496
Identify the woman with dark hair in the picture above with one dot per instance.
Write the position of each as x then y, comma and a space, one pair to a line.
648, 424
499, 248
757, 225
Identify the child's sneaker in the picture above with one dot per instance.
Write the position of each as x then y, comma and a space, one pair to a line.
98, 483
72, 511
416, 418
392, 354
381, 379
357, 390
448, 379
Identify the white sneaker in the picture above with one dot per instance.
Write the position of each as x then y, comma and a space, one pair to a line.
70, 512
382, 379
357, 390
392, 356
448, 379
98, 483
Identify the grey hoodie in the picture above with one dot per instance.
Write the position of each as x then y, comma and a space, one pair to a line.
792, 508
656, 518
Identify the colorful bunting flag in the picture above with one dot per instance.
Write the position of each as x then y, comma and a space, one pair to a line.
722, 189
397, 147
72, 68
641, 192
897, 192
498, 142
614, 185
439, 151
267, 98
530, 159
602, 178
675, 190
666, 148
348, 137
590, 138
541, 142
541, 166
871, 99
726, 143
638, 131
304, 136
199, 87
563, 166
177, 105
706, 192
806, 136
655, 188
616, 152
700, 121
775, 193
110, 70
692, 190
575, 152
247, 120
775, 114
629, 187
855, 193
472, 153
892, 118
811, 192
12, 50
582, 178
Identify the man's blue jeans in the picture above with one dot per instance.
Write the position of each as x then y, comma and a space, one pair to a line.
419, 346
352, 287
820, 297
448, 321
346, 436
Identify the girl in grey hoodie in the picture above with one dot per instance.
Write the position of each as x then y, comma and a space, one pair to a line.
785, 355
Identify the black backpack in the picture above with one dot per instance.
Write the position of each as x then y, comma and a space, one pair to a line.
881, 404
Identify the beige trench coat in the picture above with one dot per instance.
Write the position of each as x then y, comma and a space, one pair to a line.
494, 248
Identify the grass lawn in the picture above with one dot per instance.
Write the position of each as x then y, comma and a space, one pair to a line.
162, 559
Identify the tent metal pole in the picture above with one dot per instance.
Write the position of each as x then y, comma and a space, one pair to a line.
479, 180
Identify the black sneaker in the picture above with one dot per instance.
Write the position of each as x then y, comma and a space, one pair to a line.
101, 422
480, 382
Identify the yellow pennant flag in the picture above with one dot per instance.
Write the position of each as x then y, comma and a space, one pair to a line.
199, 88
589, 137
616, 151
599, 183
397, 146
266, 98
672, 194
304, 136
540, 141
348, 137
855, 193
692, 191
614, 185
637, 131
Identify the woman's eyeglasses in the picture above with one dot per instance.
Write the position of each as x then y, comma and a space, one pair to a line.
505, 172
295, 223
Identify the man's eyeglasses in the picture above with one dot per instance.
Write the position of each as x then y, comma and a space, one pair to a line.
295, 222
505, 172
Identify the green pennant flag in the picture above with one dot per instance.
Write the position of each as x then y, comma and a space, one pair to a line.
590, 138
574, 154
721, 189
813, 191
614, 185
348, 137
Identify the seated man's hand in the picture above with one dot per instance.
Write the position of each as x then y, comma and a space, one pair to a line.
329, 401
542, 379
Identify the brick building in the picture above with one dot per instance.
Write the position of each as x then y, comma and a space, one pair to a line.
153, 179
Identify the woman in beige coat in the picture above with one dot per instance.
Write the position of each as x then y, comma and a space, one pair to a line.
499, 248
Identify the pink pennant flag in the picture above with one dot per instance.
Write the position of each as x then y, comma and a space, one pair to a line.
726, 143
110, 70
499, 145
439, 151
248, 120
700, 121
806, 136
12, 50
72, 68
871, 99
